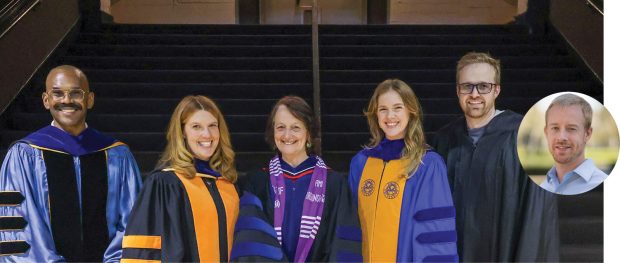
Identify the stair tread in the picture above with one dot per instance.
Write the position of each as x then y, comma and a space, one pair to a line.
581, 253
139, 73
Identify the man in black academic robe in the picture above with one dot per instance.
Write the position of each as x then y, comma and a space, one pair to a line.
501, 214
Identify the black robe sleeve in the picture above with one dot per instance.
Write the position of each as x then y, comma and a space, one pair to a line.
501, 214
255, 239
338, 239
158, 228
346, 245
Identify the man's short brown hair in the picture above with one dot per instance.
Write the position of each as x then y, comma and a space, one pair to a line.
477, 57
569, 99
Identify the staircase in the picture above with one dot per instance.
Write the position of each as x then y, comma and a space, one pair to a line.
581, 226
140, 72
354, 59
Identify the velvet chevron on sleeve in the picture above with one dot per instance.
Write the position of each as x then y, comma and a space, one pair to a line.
338, 237
347, 243
404, 219
75, 195
431, 235
255, 239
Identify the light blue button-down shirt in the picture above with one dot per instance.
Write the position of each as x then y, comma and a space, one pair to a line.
585, 177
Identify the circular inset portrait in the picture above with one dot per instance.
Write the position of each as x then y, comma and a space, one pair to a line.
568, 143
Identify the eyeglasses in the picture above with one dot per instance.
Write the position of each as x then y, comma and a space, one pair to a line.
482, 87
74, 94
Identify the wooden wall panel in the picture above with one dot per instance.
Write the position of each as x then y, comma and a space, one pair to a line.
451, 11
175, 11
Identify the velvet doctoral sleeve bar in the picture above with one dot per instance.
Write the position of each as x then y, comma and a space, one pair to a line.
72, 208
403, 219
337, 239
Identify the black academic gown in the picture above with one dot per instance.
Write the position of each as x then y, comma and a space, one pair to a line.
339, 235
501, 214
180, 219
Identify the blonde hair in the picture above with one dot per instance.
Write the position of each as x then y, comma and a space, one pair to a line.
177, 154
415, 142
566, 100
477, 57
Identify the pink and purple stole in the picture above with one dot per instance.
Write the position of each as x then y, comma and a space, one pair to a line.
312, 209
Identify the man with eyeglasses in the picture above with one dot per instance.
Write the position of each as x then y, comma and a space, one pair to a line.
66, 190
500, 214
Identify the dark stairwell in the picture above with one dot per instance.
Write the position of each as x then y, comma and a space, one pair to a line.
139, 73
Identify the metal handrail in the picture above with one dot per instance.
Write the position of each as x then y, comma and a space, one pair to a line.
594, 6
12, 12
316, 86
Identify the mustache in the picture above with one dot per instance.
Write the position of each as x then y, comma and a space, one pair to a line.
62, 106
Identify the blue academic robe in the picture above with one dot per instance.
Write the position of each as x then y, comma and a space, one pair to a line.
403, 219
66, 198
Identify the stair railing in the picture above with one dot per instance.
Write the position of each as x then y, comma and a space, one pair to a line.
597, 6
316, 87
12, 11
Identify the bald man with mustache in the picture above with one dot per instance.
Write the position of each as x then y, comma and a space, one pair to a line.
66, 190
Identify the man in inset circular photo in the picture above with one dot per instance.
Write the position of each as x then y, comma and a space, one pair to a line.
568, 132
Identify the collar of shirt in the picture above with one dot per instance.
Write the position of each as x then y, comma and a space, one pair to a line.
584, 170
58, 126
583, 178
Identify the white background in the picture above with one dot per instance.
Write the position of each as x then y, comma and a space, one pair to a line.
612, 80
